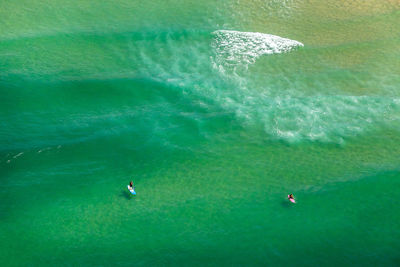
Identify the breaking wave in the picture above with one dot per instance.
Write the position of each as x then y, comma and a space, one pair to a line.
234, 47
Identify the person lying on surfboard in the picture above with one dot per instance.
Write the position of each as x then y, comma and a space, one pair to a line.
291, 197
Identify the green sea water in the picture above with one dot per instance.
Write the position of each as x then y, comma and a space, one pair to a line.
217, 110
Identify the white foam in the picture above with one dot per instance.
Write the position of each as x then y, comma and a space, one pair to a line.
234, 47
44, 149
18, 155
319, 118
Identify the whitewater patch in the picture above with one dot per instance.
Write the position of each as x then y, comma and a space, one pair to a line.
327, 119
292, 116
235, 47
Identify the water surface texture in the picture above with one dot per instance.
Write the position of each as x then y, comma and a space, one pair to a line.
217, 110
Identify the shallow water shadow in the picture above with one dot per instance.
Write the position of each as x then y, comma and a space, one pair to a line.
285, 204
125, 194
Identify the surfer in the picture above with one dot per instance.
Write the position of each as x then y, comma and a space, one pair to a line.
290, 197
131, 188
131, 185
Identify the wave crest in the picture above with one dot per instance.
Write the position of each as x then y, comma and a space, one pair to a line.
234, 47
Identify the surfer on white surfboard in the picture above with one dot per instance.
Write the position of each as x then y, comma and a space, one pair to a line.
291, 198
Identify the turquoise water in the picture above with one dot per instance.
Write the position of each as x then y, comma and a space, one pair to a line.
217, 111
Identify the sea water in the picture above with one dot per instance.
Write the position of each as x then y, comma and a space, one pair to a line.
217, 110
